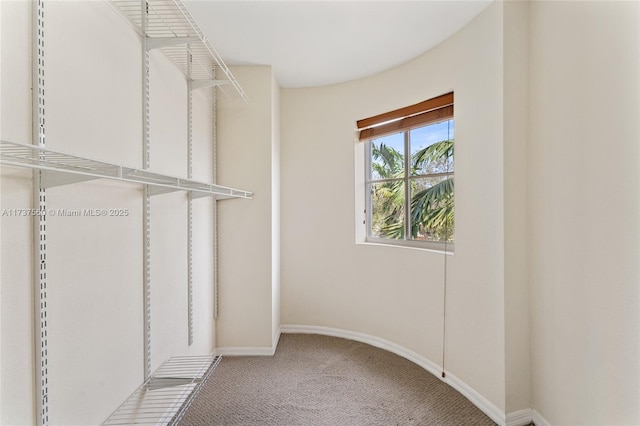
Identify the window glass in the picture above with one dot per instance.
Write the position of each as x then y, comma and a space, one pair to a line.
428, 154
432, 208
387, 209
387, 157
410, 186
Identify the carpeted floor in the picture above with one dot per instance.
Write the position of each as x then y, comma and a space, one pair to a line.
321, 380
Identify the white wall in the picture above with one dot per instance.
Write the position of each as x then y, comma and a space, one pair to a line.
516, 272
203, 227
584, 209
168, 154
94, 265
276, 272
546, 214
248, 265
16, 277
389, 292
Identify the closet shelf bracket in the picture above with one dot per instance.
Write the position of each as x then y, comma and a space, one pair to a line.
198, 84
50, 179
195, 195
160, 42
158, 190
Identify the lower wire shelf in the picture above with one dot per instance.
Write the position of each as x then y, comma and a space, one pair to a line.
165, 397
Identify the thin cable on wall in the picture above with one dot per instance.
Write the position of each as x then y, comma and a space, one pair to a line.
444, 279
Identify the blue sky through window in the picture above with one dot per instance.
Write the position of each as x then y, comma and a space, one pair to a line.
428, 135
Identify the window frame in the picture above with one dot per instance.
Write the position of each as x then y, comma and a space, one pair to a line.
440, 246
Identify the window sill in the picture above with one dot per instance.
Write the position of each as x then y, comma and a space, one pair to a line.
433, 247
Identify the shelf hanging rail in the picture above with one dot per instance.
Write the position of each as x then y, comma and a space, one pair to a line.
172, 29
64, 169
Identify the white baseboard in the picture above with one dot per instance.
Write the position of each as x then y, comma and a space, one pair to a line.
519, 418
275, 340
539, 420
486, 406
250, 351
245, 351
431, 367
467, 391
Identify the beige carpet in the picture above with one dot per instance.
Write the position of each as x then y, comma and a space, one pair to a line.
320, 380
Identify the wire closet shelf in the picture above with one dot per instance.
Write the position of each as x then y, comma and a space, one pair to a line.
171, 28
61, 169
165, 397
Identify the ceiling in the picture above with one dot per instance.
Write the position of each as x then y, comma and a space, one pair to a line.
315, 43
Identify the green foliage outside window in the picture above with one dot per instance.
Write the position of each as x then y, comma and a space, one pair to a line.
431, 192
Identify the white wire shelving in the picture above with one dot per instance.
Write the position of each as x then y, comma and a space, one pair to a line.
63, 169
164, 25
165, 397
171, 28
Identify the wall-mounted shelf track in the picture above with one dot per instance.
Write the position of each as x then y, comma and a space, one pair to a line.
62, 169
165, 396
171, 28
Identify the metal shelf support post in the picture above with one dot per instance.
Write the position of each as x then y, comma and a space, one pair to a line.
146, 221
40, 221
190, 200
214, 143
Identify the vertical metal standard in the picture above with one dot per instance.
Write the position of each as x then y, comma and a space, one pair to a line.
214, 143
146, 224
39, 222
189, 201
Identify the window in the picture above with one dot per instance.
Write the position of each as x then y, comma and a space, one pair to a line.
409, 175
